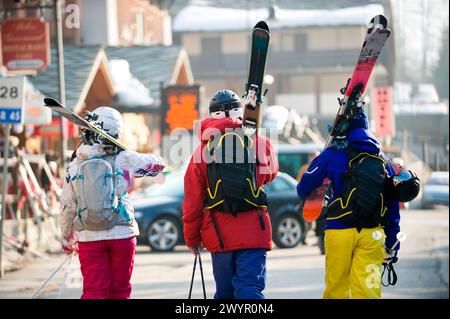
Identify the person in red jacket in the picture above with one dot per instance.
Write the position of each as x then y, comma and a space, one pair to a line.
238, 242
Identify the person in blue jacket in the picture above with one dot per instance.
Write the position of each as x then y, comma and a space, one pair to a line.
354, 254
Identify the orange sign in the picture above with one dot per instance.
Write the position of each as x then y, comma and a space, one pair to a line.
25, 44
180, 108
382, 111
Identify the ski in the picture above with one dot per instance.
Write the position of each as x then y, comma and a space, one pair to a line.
374, 41
254, 88
84, 124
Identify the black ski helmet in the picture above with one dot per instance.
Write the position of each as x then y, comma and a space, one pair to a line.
224, 101
406, 186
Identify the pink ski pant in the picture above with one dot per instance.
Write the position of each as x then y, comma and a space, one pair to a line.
106, 266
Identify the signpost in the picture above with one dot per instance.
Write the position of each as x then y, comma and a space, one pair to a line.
12, 102
382, 111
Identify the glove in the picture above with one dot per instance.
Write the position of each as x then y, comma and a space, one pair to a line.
195, 250
390, 257
69, 248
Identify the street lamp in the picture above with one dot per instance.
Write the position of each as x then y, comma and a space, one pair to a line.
268, 79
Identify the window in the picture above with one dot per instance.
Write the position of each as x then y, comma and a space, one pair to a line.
291, 163
301, 43
287, 43
211, 46
302, 84
279, 185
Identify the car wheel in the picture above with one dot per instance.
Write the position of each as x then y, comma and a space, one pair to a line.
288, 231
163, 233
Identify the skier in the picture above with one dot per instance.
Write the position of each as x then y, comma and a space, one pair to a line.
364, 200
217, 215
97, 219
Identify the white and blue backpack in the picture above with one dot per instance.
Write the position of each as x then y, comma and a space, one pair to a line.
99, 207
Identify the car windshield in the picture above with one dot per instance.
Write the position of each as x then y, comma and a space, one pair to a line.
173, 186
438, 180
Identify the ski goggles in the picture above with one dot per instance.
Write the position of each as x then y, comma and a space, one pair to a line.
223, 107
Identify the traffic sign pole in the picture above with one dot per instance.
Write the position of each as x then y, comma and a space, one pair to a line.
7, 128
12, 102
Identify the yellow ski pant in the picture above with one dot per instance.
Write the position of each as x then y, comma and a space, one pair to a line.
353, 263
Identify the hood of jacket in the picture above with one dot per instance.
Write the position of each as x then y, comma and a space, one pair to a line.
362, 140
210, 127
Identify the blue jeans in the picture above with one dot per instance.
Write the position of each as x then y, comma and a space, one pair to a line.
240, 274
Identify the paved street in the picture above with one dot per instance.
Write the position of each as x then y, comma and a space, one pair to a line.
291, 273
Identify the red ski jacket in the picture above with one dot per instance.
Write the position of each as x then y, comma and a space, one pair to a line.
241, 232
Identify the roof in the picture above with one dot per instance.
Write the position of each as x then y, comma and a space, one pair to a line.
235, 18
282, 4
151, 65
78, 63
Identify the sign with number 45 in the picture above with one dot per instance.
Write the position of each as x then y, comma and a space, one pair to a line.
12, 100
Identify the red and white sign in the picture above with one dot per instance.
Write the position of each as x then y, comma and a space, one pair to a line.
25, 44
382, 111
53, 129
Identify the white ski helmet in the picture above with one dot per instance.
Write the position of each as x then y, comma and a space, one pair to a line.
111, 119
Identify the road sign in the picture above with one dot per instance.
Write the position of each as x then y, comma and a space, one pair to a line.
25, 44
12, 100
180, 107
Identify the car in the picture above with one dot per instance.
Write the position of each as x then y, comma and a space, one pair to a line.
159, 213
292, 157
435, 191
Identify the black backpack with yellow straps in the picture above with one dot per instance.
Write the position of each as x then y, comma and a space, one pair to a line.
363, 204
232, 188
231, 170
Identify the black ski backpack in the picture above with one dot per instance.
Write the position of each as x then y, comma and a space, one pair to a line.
363, 204
231, 170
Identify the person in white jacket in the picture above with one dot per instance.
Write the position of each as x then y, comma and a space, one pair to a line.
98, 217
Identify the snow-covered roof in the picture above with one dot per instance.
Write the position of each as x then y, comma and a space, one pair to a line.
130, 91
195, 18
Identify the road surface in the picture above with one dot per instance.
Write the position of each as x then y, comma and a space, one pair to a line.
296, 273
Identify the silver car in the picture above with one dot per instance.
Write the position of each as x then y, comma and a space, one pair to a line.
436, 190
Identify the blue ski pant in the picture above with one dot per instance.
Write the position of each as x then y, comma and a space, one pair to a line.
239, 274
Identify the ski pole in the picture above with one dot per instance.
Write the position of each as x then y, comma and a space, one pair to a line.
193, 274
66, 274
400, 237
201, 272
45, 282
377, 235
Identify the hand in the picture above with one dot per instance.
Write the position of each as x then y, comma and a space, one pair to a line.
390, 258
195, 250
69, 248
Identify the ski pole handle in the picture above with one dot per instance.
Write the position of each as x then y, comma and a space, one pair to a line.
400, 237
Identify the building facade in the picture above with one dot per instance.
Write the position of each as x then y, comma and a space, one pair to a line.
312, 53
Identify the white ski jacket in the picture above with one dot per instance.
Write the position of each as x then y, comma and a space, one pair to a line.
131, 164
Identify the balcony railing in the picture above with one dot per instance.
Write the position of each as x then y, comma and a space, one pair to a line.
278, 62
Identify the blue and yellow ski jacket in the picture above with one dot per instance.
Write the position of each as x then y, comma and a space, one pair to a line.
332, 163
